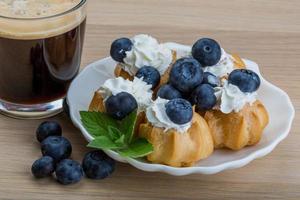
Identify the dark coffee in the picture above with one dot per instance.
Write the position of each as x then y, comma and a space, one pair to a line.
39, 70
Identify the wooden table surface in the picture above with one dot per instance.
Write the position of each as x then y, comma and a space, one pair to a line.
267, 31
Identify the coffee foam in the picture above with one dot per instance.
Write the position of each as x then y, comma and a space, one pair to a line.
33, 18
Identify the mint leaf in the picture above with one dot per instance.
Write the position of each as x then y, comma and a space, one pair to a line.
138, 148
104, 143
120, 141
114, 132
127, 126
97, 123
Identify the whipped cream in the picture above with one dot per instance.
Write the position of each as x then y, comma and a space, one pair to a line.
157, 116
224, 67
138, 88
146, 51
231, 98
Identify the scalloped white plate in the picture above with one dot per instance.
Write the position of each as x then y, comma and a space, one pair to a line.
277, 102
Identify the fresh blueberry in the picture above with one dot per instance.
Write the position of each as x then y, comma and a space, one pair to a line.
150, 75
211, 79
68, 172
167, 91
48, 128
97, 165
245, 79
204, 97
119, 47
43, 167
207, 51
57, 147
120, 105
179, 111
186, 75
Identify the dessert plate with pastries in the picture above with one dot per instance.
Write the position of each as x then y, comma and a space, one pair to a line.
167, 107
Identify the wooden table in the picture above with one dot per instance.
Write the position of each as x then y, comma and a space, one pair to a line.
263, 30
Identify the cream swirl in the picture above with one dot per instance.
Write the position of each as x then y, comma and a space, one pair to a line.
146, 51
157, 116
231, 98
223, 67
137, 88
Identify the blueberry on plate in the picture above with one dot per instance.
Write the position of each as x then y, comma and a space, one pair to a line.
167, 91
204, 97
43, 167
120, 105
150, 75
57, 147
211, 79
179, 111
207, 51
48, 128
186, 74
245, 79
97, 165
68, 172
119, 47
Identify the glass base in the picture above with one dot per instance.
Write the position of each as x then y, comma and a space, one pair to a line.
37, 111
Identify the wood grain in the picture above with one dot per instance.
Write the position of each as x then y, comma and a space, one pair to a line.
267, 31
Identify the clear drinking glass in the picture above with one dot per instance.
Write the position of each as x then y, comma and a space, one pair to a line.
39, 57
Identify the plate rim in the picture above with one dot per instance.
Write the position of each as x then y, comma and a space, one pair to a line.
150, 167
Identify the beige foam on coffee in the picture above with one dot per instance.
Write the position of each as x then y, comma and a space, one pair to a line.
29, 13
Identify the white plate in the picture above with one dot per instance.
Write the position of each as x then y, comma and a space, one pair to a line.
277, 102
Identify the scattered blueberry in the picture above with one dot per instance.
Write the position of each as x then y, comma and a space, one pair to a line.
43, 167
68, 172
179, 111
150, 75
186, 75
119, 47
167, 91
211, 79
207, 51
120, 105
48, 128
204, 97
57, 147
245, 79
97, 165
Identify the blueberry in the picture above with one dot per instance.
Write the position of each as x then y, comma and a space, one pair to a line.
120, 105
211, 79
204, 97
167, 91
207, 51
43, 167
119, 47
97, 165
179, 111
57, 147
68, 172
48, 128
150, 75
186, 74
245, 79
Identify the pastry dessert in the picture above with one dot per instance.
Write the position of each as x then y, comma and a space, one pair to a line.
180, 137
140, 51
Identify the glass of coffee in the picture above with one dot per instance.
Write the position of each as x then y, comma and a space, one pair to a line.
40, 52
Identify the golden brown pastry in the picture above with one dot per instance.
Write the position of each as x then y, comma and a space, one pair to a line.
237, 130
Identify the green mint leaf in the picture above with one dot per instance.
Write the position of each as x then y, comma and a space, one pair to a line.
138, 148
114, 132
120, 141
104, 143
127, 126
97, 123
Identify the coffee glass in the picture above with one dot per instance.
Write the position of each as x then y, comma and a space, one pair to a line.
40, 54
